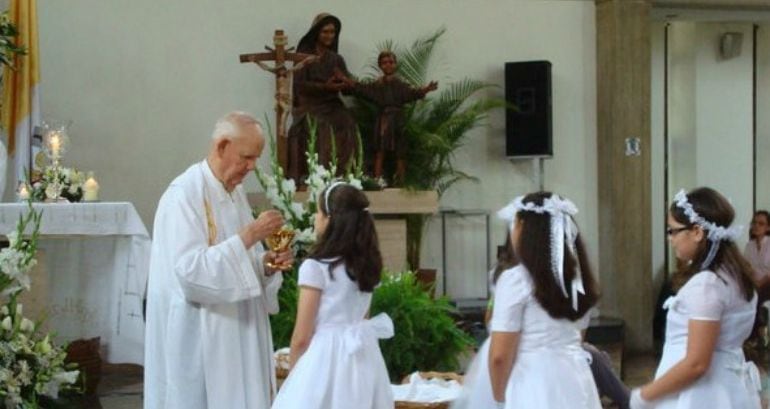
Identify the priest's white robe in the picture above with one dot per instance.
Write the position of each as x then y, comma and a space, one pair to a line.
208, 341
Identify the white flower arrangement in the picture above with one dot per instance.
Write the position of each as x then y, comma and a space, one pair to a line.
68, 181
31, 366
281, 191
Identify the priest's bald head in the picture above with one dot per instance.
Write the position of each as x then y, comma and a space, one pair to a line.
237, 143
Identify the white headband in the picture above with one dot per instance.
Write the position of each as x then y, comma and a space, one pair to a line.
562, 227
328, 193
715, 233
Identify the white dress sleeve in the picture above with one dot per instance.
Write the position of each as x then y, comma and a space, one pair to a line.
513, 290
312, 274
705, 297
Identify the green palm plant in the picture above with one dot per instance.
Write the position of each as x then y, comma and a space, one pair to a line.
436, 127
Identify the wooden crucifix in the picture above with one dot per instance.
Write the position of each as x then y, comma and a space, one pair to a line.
283, 81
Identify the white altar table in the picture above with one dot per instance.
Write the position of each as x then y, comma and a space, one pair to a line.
94, 262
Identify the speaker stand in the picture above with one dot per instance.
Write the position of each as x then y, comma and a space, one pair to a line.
538, 171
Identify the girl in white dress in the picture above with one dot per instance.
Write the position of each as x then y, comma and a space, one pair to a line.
709, 318
533, 358
335, 355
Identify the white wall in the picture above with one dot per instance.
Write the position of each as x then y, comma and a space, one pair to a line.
144, 80
723, 101
710, 119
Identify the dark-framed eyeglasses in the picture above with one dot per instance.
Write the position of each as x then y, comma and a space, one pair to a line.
674, 230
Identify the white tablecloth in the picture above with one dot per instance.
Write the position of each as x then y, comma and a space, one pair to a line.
97, 261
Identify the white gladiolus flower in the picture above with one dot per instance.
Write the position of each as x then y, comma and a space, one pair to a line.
306, 236
6, 324
51, 389
50, 191
4, 310
24, 281
19, 309
314, 181
27, 325
10, 261
11, 290
288, 186
355, 183
273, 196
25, 375
13, 238
298, 209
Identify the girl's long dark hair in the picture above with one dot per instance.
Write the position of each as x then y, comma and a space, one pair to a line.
350, 237
713, 207
534, 251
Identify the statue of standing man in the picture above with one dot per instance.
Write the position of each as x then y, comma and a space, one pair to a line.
317, 90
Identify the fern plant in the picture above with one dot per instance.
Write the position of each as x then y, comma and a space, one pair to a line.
426, 336
436, 126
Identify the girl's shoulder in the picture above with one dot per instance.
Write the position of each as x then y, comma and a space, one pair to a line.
709, 277
324, 262
313, 273
312, 263
714, 283
516, 277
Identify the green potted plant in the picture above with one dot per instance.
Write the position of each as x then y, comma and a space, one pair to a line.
426, 337
436, 127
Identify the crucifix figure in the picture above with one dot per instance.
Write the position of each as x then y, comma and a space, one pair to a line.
283, 104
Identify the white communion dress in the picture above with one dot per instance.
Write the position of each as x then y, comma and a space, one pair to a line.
730, 382
551, 370
343, 366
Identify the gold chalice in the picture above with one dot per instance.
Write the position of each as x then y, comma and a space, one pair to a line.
279, 242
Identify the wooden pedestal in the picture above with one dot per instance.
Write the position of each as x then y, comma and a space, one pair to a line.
388, 207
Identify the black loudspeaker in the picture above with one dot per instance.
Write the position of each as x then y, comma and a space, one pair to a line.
528, 125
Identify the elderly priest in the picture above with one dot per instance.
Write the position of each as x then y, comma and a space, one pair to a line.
208, 342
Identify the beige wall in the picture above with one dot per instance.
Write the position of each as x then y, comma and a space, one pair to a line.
763, 120
144, 80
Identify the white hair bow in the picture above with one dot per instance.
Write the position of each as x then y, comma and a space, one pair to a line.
563, 228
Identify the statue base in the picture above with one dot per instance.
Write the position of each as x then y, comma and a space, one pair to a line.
389, 208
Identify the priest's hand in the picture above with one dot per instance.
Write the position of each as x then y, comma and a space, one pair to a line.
283, 261
263, 226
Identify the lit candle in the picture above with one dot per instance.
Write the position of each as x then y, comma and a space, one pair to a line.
23, 193
91, 190
55, 143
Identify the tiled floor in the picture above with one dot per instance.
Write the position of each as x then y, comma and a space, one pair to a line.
121, 385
